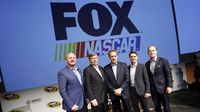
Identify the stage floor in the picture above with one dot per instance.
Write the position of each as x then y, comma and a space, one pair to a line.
48, 99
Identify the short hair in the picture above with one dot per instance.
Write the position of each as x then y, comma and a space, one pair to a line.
91, 55
112, 50
133, 52
151, 46
66, 55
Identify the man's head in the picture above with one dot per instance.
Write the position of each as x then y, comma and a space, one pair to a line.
113, 55
133, 56
152, 52
93, 58
71, 59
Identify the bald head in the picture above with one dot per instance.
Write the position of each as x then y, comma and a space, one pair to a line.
71, 59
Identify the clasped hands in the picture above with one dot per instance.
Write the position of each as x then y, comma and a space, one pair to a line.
94, 102
118, 91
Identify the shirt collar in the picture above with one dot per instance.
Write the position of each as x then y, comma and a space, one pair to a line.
133, 65
95, 66
113, 64
154, 59
73, 68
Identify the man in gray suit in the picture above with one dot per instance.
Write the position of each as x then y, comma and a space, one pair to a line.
139, 83
118, 83
160, 78
95, 84
70, 83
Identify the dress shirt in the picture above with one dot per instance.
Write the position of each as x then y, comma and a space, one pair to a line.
78, 75
153, 64
132, 73
114, 68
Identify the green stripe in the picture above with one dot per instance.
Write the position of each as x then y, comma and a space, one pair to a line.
65, 47
56, 52
74, 48
60, 52
69, 47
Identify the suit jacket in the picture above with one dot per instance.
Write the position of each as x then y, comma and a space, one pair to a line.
70, 89
95, 85
122, 81
162, 76
141, 80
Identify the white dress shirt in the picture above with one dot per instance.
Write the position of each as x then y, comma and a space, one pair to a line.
132, 73
78, 75
114, 68
153, 64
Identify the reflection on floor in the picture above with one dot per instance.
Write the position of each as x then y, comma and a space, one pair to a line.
43, 99
47, 99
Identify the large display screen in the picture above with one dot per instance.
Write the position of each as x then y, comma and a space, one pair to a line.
188, 25
36, 34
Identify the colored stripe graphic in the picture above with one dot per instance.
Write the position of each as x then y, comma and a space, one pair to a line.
100, 47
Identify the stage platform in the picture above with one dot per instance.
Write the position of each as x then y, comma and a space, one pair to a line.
47, 99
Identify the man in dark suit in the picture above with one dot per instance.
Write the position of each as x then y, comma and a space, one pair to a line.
160, 78
70, 83
95, 85
118, 83
197, 69
139, 83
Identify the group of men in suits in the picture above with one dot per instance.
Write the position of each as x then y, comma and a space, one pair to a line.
126, 86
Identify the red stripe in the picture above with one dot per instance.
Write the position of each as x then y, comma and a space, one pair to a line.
77, 49
82, 49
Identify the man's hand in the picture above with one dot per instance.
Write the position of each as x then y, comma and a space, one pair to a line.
146, 95
118, 92
94, 102
168, 90
75, 107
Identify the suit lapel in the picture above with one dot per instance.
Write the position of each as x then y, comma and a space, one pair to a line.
148, 66
118, 70
157, 64
96, 73
111, 71
74, 75
137, 70
102, 73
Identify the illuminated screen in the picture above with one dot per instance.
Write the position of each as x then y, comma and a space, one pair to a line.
36, 34
188, 25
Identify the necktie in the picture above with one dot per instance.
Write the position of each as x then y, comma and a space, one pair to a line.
78, 75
